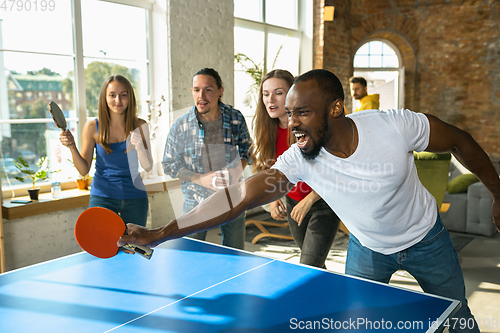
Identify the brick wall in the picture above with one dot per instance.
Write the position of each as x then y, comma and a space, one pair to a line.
337, 45
318, 34
200, 35
450, 50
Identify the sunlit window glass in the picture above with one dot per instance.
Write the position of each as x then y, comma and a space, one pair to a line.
376, 48
122, 37
361, 61
376, 54
254, 50
378, 63
248, 9
282, 13
390, 61
48, 31
375, 60
364, 50
37, 65
29, 83
35, 68
251, 59
283, 53
263, 44
116, 46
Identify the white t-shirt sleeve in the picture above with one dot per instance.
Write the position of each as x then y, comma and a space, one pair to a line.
414, 127
288, 164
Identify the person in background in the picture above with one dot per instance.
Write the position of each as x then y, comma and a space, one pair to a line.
359, 91
121, 142
312, 222
211, 138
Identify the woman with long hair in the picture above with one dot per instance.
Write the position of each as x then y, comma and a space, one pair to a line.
312, 223
121, 142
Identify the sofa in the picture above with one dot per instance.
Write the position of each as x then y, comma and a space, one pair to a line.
433, 170
470, 203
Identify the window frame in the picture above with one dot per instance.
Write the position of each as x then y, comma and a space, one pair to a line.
399, 70
303, 31
78, 60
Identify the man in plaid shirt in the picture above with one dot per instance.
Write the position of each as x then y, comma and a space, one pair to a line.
207, 149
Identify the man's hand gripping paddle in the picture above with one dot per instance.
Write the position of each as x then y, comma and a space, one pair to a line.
97, 231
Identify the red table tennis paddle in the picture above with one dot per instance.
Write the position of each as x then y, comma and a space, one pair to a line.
97, 231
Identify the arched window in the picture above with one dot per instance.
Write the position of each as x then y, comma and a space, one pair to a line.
376, 54
380, 64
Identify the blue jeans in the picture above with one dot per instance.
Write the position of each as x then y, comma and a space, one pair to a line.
433, 262
233, 233
130, 210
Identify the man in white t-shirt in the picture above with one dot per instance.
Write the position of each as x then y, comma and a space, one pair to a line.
362, 166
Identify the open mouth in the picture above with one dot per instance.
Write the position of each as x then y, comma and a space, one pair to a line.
302, 139
202, 104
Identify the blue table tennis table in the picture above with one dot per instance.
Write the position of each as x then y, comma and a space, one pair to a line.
193, 286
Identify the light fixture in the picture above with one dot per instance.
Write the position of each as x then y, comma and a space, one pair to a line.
329, 13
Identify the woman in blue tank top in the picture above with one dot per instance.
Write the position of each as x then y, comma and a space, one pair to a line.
117, 184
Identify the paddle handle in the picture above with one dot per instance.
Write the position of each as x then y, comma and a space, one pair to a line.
143, 138
146, 252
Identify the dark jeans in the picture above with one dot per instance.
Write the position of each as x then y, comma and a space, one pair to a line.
233, 233
130, 210
316, 233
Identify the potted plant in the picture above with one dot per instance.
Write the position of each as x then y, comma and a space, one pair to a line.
82, 182
41, 174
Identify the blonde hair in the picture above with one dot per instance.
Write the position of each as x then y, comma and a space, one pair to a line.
131, 120
265, 128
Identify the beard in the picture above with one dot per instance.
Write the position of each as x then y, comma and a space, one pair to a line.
201, 111
322, 135
313, 153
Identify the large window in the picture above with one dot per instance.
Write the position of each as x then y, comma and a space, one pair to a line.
379, 63
279, 35
63, 53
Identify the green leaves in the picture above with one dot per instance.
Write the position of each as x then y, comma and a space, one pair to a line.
24, 167
21, 164
40, 162
256, 72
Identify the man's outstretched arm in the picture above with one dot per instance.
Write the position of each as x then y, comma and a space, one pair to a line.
445, 137
221, 207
